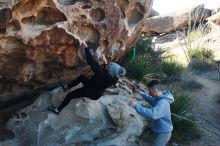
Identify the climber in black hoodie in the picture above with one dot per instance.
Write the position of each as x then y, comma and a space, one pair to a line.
92, 88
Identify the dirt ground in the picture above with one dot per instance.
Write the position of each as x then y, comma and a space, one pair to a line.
205, 105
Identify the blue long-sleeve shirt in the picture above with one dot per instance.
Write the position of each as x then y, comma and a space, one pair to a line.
160, 112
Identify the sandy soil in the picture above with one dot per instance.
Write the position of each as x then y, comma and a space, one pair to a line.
205, 106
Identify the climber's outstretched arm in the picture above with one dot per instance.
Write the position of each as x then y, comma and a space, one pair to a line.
92, 62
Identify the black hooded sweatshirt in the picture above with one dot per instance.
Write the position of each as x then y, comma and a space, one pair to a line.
100, 80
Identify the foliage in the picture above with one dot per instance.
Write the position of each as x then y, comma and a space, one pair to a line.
202, 59
205, 64
201, 53
191, 38
172, 70
140, 67
194, 35
145, 48
181, 106
144, 66
150, 64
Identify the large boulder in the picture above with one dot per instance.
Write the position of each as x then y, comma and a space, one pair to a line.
154, 13
174, 45
42, 41
6, 13
178, 43
215, 19
108, 121
175, 21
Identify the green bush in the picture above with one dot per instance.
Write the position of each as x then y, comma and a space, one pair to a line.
148, 63
142, 45
195, 34
145, 65
183, 129
202, 59
192, 38
139, 67
201, 53
145, 48
202, 64
172, 70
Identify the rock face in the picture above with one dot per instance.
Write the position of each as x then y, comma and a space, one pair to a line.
171, 43
170, 32
215, 19
42, 41
108, 121
178, 43
153, 13
175, 21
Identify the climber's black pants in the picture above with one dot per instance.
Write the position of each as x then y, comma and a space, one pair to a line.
72, 95
80, 79
85, 91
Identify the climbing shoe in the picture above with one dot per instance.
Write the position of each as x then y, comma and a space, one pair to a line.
53, 110
64, 87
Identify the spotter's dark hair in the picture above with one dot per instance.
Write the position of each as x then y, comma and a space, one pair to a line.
154, 84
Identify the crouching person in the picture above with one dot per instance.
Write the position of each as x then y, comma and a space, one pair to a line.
159, 113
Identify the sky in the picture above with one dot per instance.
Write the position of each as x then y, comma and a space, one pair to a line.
167, 6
